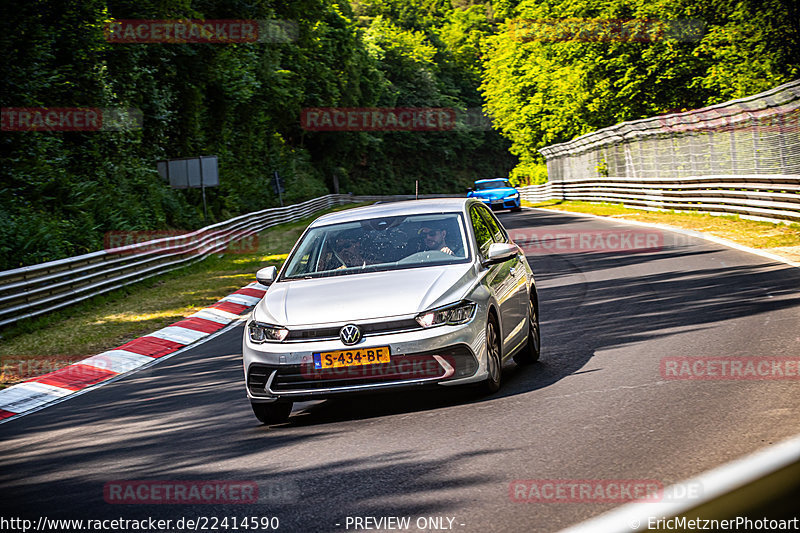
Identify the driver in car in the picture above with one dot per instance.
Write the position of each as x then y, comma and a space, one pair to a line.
344, 252
433, 239
348, 252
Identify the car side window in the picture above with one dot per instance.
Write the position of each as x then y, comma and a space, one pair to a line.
483, 235
494, 228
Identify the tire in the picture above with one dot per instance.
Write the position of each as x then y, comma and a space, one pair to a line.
493, 360
516, 209
272, 413
530, 353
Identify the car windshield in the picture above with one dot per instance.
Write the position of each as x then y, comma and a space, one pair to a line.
494, 184
387, 243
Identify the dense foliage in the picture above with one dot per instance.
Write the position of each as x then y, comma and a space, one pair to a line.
545, 85
61, 191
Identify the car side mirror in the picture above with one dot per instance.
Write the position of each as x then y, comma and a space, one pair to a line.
500, 252
267, 275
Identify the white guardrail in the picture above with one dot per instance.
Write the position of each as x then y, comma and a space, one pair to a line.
38, 289
773, 198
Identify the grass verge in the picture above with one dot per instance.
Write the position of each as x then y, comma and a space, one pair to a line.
780, 239
44, 344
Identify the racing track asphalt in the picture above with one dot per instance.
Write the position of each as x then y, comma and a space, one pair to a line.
595, 407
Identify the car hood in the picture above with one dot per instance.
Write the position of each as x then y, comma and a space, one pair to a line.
357, 297
494, 193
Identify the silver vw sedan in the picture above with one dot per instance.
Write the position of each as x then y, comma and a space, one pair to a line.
389, 296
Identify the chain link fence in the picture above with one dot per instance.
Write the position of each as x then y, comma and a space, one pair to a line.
740, 157
756, 135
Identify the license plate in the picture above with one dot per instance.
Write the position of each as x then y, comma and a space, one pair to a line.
356, 357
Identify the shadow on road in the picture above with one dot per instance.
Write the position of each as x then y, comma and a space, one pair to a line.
589, 302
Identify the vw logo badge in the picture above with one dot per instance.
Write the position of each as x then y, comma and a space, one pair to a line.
350, 334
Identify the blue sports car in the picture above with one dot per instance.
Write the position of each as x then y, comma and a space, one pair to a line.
496, 193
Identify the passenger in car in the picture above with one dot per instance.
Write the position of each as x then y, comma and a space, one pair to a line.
433, 238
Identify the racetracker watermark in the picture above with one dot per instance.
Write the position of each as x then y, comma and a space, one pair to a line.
538, 241
600, 491
378, 119
178, 242
70, 119
149, 524
473, 119
21, 369
181, 492
730, 368
140, 31
399, 367
596, 30
75, 373
779, 119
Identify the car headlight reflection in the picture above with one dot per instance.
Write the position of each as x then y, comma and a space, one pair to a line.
452, 315
266, 333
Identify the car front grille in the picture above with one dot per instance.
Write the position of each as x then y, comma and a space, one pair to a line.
330, 333
409, 367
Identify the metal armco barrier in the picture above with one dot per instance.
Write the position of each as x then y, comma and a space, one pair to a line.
774, 198
34, 290
38, 289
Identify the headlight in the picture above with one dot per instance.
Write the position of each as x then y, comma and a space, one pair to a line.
266, 333
513, 196
459, 313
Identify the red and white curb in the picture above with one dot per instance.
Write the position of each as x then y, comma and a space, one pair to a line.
39, 392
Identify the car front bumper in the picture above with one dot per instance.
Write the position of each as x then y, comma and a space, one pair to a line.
442, 355
502, 203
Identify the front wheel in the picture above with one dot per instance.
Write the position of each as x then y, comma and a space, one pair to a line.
494, 363
272, 413
530, 353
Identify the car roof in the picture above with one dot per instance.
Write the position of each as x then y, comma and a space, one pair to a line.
409, 207
491, 179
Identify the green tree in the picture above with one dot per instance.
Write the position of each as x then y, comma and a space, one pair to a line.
559, 69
